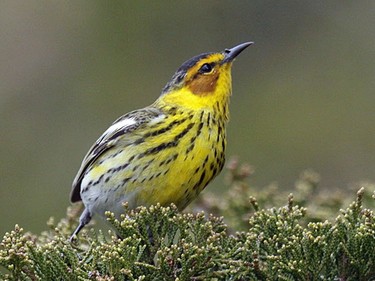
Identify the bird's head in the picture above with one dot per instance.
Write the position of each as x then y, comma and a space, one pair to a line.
203, 81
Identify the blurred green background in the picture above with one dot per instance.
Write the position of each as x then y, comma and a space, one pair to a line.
304, 94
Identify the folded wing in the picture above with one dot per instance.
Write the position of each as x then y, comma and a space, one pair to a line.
127, 124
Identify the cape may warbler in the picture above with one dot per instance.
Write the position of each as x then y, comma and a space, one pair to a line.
166, 152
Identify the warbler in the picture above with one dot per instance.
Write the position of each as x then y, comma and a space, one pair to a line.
166, 152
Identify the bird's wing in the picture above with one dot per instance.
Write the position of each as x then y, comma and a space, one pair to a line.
126, 124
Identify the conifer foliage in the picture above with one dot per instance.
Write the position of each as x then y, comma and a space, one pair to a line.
256, 242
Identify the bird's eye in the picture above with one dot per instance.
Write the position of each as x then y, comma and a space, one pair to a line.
205, 68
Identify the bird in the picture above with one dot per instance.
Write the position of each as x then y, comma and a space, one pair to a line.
166, 152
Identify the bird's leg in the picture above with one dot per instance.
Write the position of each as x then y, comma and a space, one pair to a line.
83, 220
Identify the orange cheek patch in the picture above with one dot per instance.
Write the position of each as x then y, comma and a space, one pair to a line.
203, 84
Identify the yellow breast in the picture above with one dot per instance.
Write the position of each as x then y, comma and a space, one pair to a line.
171, 163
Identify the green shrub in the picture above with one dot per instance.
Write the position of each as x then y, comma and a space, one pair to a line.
301, 240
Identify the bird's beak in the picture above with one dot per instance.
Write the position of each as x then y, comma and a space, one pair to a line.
230, 54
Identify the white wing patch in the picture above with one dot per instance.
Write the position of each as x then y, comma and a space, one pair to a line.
157, 119
121, 125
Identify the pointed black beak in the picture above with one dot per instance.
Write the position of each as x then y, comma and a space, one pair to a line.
230, 54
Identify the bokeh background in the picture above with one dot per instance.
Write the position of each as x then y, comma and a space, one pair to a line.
304, 94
